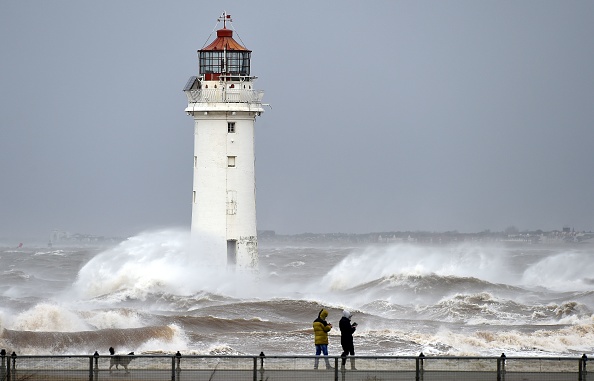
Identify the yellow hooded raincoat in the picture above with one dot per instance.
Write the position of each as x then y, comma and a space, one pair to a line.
321, 328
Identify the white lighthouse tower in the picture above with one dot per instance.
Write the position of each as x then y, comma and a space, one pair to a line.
224, 105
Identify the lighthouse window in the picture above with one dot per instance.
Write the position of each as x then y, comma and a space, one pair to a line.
231, 161
231, 127
232, 62
211, 61
238, 62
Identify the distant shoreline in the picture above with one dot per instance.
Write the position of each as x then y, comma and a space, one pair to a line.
450, 237
554, 237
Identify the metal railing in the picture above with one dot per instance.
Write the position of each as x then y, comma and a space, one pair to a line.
225, 95
269, 368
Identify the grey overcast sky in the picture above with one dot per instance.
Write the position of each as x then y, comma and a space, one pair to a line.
386, 115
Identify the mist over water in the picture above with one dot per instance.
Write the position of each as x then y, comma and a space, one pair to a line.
154, 293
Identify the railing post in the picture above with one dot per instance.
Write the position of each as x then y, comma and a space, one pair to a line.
501, 367
262, 355
419, 367
172, 368
336, 368
3, 365
498, 369
255, 370
178, 366
8, 369
96, 368
582, 368
13, 356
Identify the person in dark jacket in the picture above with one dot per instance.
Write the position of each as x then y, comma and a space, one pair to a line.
346, 338
321, 328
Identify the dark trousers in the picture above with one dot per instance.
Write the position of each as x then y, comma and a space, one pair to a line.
346, 350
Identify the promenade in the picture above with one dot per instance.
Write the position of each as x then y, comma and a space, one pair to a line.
290, 375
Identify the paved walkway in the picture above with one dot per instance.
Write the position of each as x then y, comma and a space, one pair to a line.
285, 375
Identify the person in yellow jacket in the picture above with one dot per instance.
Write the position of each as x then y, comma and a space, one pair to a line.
321, 328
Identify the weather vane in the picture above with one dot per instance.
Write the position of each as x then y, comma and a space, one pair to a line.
224, 18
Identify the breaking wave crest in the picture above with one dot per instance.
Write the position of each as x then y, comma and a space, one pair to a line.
81, 342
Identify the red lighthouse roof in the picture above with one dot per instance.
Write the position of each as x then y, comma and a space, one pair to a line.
225, 41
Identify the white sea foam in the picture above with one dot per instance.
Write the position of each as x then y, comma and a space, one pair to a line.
179, 341
513, 342
121, 318
47, 317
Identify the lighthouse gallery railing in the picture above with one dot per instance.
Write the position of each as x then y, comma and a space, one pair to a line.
225, 95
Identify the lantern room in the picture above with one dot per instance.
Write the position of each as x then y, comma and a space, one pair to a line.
224, 59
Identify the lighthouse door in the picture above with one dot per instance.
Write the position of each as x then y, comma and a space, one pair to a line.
231, 252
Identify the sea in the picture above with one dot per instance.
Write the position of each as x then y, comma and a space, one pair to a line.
152, 294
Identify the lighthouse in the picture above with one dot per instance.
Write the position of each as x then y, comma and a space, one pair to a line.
224, 105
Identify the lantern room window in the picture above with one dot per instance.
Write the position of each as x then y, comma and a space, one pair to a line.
230, 62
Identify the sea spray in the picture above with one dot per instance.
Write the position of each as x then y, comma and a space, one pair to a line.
487, 263
157, 263
163, 262
147, 263
407, 273
569, 270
